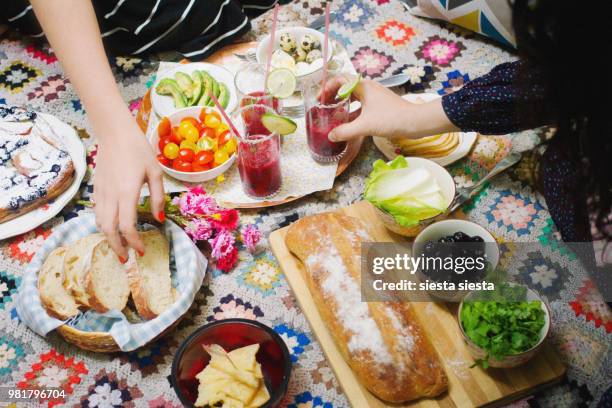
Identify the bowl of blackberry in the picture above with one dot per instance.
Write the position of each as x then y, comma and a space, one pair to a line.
457, 252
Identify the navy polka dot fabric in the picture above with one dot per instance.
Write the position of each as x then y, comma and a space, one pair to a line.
496, 103
511, 98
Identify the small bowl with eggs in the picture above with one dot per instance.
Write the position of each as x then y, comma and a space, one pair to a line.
299, 49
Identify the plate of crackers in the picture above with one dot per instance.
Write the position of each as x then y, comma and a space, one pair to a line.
443, 148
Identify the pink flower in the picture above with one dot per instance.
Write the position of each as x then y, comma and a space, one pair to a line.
199, 229
251, 236
197, 190
227, 262
224, 219
196, 202
222, 244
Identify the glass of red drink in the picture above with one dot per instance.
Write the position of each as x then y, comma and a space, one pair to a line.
250, 84
323, 114
259, 152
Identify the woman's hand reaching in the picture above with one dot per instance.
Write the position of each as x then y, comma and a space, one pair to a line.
124, 162
383, 113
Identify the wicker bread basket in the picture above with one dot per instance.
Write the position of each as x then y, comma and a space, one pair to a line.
99, 342
103, 342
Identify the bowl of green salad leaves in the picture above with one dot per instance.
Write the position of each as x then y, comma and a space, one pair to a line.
409, 193
504, 328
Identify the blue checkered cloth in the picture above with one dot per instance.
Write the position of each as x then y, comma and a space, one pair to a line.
188, 267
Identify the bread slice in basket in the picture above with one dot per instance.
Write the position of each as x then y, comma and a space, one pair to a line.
149, 276
106, 282
53, 296
76, 265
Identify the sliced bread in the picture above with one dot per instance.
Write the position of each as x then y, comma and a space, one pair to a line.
76, 263
149, 276
106, 282
53, 296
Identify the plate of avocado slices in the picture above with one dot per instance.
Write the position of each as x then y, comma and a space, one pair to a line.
191, 85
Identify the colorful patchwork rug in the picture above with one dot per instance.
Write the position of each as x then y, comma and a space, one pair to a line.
383, 39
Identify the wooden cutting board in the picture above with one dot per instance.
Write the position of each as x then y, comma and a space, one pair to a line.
468, 387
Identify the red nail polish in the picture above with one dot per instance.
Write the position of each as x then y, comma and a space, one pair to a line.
140, 253
122, 259
161, 216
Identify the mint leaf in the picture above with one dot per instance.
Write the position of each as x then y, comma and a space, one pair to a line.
503, 323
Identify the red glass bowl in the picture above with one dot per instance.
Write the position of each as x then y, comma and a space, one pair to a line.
231, 334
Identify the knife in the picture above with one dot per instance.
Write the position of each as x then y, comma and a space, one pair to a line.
466, 193
320, 21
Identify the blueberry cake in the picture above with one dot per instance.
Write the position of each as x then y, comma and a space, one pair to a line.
34, 164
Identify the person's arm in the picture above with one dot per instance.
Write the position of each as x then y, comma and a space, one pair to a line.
510, 98
125, 160
383, 113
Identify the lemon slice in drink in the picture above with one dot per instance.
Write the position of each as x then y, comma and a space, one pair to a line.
281, 83
347, 89
278, 124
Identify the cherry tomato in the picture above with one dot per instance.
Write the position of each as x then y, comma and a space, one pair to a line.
208, 132
204, 112
230, 147
164, 160
204, 157
162, 143
188, 132
220, 157
212, 112
192, 135
206, 143
212, 120
164, 128
198, 167
222, 128
224, 137
181, 165
186, 144
175, 137
193, 121
186, 155
171, 151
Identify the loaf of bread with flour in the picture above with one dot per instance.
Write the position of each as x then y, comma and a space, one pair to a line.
383, 342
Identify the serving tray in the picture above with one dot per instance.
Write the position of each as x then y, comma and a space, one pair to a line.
226, 56
468, 387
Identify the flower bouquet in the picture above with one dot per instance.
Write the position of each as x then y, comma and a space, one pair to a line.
205, 221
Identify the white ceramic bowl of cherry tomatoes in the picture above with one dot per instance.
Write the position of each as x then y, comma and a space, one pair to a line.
194, 144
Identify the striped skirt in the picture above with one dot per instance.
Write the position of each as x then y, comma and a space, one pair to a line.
194, 28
